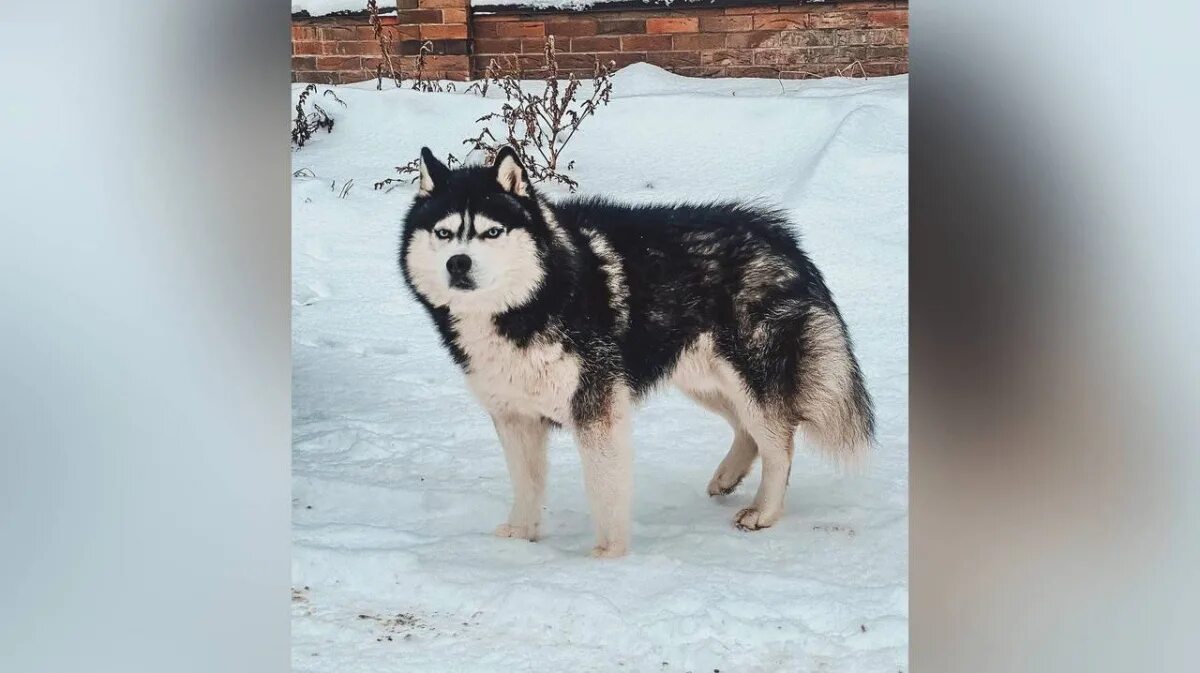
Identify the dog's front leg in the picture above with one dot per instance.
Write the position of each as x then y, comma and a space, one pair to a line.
607, 457
524, 442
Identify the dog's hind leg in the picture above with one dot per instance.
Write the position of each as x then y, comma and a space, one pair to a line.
736, 464
740, 458
524, 441
606, 453
774, 440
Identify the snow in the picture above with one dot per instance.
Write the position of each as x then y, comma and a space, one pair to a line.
323, 7
399, 479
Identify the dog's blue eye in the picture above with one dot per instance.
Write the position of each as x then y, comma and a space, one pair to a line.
443, 234
494, 232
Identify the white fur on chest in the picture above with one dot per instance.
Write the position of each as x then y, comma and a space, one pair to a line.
537, 380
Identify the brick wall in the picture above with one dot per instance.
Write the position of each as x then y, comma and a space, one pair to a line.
341, 49
790, 40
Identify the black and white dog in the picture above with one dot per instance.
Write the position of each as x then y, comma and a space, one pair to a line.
565, 314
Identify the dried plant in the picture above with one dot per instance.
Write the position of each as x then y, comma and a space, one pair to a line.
539, 126
412, 173
850, 68
377, 29
422, 82
307, 122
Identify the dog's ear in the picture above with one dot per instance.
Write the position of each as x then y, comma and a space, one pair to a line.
510, 173
433, 172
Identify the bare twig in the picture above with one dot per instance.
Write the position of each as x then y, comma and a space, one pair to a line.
306, 123
422, 81
538, 127
377, 29
413, 170
842, 71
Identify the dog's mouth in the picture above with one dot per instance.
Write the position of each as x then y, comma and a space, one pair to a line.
461, 282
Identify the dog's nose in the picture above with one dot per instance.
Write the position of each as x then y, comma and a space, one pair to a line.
458, 264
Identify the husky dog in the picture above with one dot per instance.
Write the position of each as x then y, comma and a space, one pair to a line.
565, 314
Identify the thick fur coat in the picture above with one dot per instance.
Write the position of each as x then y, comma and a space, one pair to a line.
565, 314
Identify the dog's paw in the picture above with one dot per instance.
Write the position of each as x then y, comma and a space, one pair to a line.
519, 532
610, 550
752, 519
724, 484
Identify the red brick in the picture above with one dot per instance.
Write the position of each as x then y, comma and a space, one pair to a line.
443, 4
301, 33
750, 40
751, 10
795, 57
694, 42
825, 55
369, 63
439, 47
406, 4
306, 47
577, 61
435, 31
876, 36
407, 32
786, 21
673, 58
726, 57
357, 48
701, 71
838, 20
336, 33
726, 24
621, 27
338, 63
304, 63
888, 18
454, 16
646, 43
419, 16
521, 29
679, 25
445, 62
605, 43
878, 69
534, 45
809, 38
751, 71
884, 53
573, 28
484, 28
497, 46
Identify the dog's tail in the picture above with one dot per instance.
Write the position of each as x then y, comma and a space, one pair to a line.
835, 410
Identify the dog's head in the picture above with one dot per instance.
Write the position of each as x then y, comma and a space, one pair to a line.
471, 239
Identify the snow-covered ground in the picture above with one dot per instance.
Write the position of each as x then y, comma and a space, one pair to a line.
399, 479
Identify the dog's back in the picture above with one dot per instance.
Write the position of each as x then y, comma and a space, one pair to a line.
729, 280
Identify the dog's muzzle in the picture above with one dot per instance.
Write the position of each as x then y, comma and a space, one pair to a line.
459, 267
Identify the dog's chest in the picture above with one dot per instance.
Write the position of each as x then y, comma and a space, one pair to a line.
537, 380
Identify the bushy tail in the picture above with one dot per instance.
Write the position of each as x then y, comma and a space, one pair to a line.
836, 414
